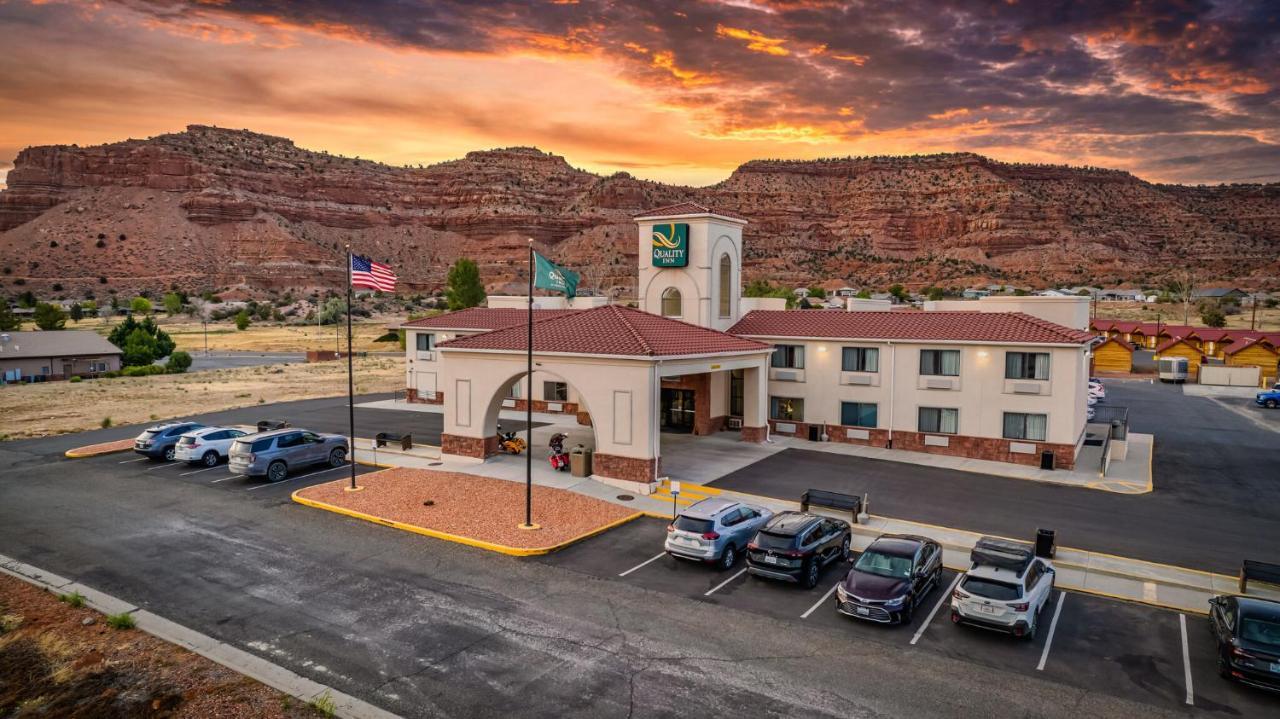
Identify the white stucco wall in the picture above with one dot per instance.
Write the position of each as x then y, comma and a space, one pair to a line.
698, 282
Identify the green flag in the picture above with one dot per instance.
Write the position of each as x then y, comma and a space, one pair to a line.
550, 276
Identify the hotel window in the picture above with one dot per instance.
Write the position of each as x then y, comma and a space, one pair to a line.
513, 392
1026, 365
737, 392
726, 281
788, 409
1025, 426
424, 340
940, 362
671, 302
555, 391
788, 356
860, 359
858, 414
939, 420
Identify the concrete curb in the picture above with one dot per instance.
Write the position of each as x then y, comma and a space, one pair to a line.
250, 665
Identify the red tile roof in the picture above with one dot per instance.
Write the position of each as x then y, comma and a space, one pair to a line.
1173, 341
611, 330
483, 318
921, 326
1247, 343
1112, 340
686, 208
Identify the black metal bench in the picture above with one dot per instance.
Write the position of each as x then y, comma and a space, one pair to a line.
382, 438
831, 500
1261, 571
268, 425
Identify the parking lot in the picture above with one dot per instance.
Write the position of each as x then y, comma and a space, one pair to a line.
1127, 650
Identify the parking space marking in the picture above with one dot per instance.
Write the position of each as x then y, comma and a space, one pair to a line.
818, 603
721, 585
942, 600
234, 476
1186, 660
647, 561
130, 461
294, 479
1053, 626
160, 466
198, 471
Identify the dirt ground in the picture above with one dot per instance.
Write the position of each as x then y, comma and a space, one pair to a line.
52, 664
1268, 319
263, 337
47, 408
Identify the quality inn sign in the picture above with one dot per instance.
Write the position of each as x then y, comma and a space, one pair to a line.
671, 245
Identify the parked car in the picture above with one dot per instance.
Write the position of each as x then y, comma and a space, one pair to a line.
274, 454
1005, 589
158, 442
207, 445
1097, 390
1268, 398
715, 530
1090, 413
795, 546
1248, 634
890, 578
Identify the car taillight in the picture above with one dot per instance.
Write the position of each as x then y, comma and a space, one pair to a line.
1021, 606
253, 458
957, 594
752, 546
795, 554
710, 535
1237, 651
671, 527
194, 445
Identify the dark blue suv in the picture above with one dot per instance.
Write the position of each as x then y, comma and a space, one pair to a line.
160, 441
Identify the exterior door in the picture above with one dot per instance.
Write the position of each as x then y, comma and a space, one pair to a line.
677, 410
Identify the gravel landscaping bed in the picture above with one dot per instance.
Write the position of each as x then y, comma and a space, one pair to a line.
93, 450
470, 506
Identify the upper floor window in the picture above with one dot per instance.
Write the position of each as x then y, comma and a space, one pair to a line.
671, 303
425, 341
860, 359
1026, 365
1025, 426
726, 284
940, 362
789, 356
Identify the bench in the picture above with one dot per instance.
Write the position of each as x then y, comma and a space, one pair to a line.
268, 425
1261, 571
831, 500
382, 438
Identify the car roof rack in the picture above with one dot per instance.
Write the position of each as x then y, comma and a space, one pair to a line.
1002, 554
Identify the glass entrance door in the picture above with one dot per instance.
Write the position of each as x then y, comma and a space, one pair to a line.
677, 410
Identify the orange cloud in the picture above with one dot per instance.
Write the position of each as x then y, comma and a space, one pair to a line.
666, 60
756, 42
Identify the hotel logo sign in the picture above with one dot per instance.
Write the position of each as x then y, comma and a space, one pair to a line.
671, 245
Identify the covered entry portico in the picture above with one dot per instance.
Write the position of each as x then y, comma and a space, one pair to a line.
620, 361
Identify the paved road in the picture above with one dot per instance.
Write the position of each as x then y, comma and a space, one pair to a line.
428, 628
230, 360
1215, 499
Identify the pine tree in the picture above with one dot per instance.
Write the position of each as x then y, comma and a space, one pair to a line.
465, 289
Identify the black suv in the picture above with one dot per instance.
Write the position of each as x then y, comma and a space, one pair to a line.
1248, 634
794, 546
890, 578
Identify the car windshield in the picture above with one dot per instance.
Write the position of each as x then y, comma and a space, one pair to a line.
765, 540
885, 565
991, 589
697, 526
1260, 631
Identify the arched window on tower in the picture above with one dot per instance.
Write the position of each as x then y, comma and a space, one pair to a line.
671, 303
726, 286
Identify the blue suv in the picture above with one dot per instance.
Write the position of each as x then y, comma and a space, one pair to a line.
1269, 398
161, 441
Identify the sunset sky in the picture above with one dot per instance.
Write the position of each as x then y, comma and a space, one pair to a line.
674, 91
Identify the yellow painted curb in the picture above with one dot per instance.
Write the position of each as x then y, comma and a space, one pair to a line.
459, 539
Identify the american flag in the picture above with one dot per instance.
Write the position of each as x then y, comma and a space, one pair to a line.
372, 275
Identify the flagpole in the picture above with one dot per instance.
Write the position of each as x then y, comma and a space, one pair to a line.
351, 390
528, 408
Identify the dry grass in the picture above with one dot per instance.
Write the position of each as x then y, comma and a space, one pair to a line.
1268, 318
266, 337
46, 408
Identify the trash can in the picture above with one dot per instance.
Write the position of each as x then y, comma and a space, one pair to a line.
815, 433
580, 461
1044, 543
1046, 460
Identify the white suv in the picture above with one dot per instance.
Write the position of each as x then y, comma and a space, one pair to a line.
1005, 589
207, 445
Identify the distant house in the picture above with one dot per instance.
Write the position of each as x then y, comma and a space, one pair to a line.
1219, 293
1122, 295
1055, 293
55, 355
847, 292
1113, 356
974, 293
800, 292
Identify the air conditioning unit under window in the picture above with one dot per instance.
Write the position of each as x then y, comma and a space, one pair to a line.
735, 423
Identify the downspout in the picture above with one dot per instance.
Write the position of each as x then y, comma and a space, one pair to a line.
654, 419
893, 356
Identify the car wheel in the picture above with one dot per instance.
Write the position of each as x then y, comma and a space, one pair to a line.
1224, 669
276, 471
338, 457
210, 458
1271, 404
844, 550
811, 574
728, 557
169, 453
1031, 628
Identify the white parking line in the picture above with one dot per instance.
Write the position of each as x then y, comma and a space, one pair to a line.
1186, 660
234, 476
650, 559
131, 461
198, 471
294, 479
818, 603
1053, 626
943, 600
720, 586
160, 466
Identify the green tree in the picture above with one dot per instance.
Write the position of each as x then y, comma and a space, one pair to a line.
77, 312
935, 293
899, 292
140, 306
9, 322
1212, 316
464, 287
27, 300
90, 307
172, 303
761, 288
817, 293
242, 320
1019, 292
332, 310
50, 317
864, 295
158, 343
139, 348
178, 362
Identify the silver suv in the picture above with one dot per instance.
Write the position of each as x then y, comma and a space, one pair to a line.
714, 530
274, 454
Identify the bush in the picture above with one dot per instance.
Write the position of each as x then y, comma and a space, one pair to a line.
145, 370
178, 362
141, 305
123, 620
111, 374
105, 423
74, 599
242, 320
75, 378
